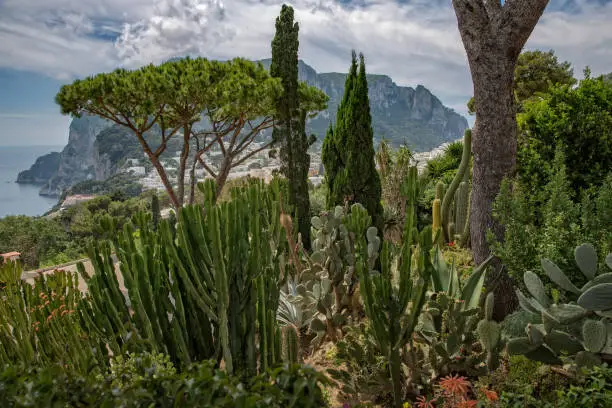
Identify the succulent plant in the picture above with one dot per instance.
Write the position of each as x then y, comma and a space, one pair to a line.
329, 283
449, 325
578, 333
449, 195
461, 212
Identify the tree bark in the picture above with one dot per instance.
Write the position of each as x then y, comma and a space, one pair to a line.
493, 36
222, 175
183, 164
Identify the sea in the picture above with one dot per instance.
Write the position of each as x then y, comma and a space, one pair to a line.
22, 199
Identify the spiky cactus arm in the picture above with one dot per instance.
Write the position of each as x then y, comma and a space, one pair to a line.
450, 192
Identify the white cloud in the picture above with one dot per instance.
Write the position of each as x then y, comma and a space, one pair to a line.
176, 28
414, 43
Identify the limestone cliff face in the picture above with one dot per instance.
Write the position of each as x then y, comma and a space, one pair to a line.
401, 114
76, 162
43, 169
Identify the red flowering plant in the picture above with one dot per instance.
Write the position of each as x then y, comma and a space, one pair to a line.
454, 391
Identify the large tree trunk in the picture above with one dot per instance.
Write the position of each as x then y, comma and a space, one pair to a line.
494, 141
494, 35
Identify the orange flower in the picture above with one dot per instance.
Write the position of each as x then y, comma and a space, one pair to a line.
467, 404
490, 394
423, 403
455, 385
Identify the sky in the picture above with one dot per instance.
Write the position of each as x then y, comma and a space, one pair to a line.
47, 43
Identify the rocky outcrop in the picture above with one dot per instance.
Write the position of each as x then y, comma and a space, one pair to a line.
400, 114
76, 161
42, 170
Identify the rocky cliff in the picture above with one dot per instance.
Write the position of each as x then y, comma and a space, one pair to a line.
76, 161
43, 169
401, 114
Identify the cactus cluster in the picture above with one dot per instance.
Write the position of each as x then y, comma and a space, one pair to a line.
449, 326
40, 322
208, 288
449, 195
450, 208
328, 284
578, 333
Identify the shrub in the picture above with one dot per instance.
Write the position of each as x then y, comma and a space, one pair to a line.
200, 386
553, 230
576, 120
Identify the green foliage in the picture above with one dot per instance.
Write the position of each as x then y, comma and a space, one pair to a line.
394, 310
40, 323
594, 392
444, 166
125, 184
535, 74
317, 199
576, 120
523, 383
366, 374
149, 385
578, 332
174, 95
537, 71
38, 239
554, 230
128, 371
348, 151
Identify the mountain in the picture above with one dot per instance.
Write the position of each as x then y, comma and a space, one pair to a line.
97, 148
400, 114
40, 172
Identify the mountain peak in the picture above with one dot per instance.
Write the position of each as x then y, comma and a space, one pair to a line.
401, 114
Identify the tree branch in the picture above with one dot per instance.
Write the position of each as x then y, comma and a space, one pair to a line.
518, 21
207, 168
251, 154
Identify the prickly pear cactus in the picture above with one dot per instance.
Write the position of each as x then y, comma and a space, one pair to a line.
330, 280
578, 333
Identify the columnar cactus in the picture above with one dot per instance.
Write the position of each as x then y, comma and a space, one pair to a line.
203, 290
580, 332
440, 190
436, 214
462, 197
291, 346
449, 195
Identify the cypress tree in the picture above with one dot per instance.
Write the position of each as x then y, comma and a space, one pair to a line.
363, 180
290, 130
348, 150
334, 154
